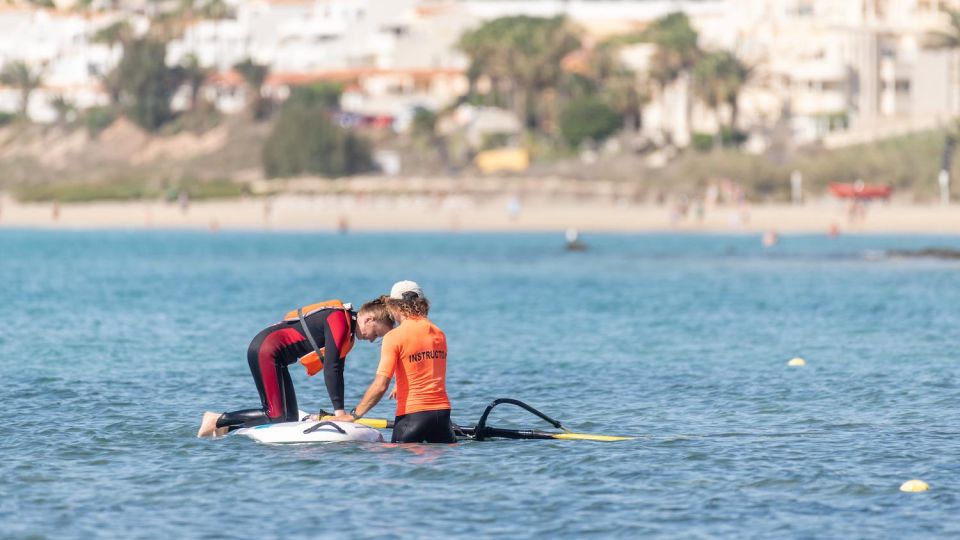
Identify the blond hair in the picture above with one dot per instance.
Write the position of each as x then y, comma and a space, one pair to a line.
379, 309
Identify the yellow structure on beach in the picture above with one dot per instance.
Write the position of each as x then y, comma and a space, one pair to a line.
503, 160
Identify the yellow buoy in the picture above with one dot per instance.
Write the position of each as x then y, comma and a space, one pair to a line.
914, 486
797, 362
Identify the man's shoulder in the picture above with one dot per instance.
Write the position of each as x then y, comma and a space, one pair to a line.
396, 335
433, 327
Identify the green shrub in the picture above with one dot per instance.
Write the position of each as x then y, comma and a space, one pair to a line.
81, 191
306, 141
129, 188
322, 94
97, 119
496, 140
424, 123
703, 142
212, 189
732, 138
909, 163
197, 121
588, 118
7, 118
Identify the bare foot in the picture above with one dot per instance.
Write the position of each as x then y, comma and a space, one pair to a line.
208, 426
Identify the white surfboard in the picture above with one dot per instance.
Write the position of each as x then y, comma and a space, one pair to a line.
311, 432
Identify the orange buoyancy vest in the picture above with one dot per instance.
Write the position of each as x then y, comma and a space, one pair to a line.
313, 361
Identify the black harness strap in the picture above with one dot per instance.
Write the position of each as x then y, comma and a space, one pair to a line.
306, 332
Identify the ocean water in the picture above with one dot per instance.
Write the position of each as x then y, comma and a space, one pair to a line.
113, 343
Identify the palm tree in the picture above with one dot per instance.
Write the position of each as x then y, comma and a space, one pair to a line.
19, 75
63, 108
255, 75
521, 55
194, 75
949, 39
676, 54
718, 78
170, 20
119, 32
619, 84
677, 50
215, 9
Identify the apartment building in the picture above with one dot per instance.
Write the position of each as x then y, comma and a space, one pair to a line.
59, 47
843, 71
392, 55
839, 71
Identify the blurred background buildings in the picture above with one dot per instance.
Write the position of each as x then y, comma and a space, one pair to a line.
841, 71
508, 86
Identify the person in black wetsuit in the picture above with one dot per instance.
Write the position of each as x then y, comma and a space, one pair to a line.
319, 336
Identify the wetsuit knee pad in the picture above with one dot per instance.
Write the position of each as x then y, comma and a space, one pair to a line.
243, 418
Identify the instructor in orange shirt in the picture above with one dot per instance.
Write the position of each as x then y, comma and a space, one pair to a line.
416, 353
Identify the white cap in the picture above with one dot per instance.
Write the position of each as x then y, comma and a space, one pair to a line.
400, 287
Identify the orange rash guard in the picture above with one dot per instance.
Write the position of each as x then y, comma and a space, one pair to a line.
416, 352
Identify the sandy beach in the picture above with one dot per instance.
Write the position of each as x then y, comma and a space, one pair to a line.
496, 213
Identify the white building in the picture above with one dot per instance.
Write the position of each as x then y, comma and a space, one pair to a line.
842, 70
392, 54
58, 46
846, 71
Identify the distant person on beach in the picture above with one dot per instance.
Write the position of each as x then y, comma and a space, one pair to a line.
416, 354
319, 336
267, 210
857, 211
514, 207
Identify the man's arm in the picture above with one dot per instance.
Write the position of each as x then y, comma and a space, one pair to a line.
335, 336
371, 397
381, 381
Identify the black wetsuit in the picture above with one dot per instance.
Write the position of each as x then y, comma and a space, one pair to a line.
424, 426
282, 344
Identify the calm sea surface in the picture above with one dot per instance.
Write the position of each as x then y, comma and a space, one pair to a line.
113, 343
